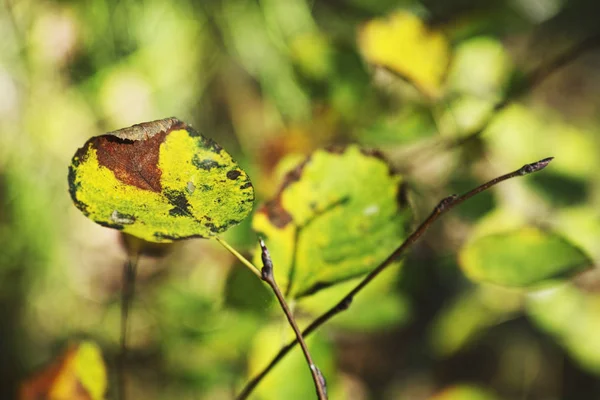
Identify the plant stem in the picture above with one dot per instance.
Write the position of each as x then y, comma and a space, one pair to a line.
268, 276
127, 291
531, 81
443, 206
240, 257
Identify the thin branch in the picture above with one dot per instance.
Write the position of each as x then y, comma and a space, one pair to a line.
269, 278
531, 80
443, 206
240, 257
127, 291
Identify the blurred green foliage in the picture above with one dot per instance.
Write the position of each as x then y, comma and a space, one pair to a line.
274, 80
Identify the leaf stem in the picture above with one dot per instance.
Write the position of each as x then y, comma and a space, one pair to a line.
268, 276
240, 257
443, 206
127, 292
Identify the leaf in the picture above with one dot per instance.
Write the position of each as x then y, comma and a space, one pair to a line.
522, 257
240, 282
378, 307
335, 217
572, 317
471, 314
291, 379
160, 181
406, 46
79, 374
480, 68
464, 392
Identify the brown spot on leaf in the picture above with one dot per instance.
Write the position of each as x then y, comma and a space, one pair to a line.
181, 206
205, 164
134, 163
132, 153
233, 174
274, 210
276, 213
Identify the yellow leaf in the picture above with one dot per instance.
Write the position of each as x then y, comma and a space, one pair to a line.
79, 374
403, 44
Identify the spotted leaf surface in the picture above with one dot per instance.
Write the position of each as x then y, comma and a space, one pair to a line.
522, 257
160, 181
336, 216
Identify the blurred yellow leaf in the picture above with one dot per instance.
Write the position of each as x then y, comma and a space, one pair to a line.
406, 46
79, 374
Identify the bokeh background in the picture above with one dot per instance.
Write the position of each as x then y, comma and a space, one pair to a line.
272, 80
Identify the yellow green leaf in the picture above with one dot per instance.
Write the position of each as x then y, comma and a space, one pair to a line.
470, 315
291, 379
572, 317
336, 216
159, 181
79, 374
464, 392
522, 257
378, 307
403, 44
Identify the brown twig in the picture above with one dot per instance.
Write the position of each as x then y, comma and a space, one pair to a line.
443, 206
533, 79
525, 85
269, 278
127, 291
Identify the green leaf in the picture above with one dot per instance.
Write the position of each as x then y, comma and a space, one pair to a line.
521, 258
470, 315
291, 379
336, 216
159, 181
464, 392
491, 75
241, 282
378, 306
572, 317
